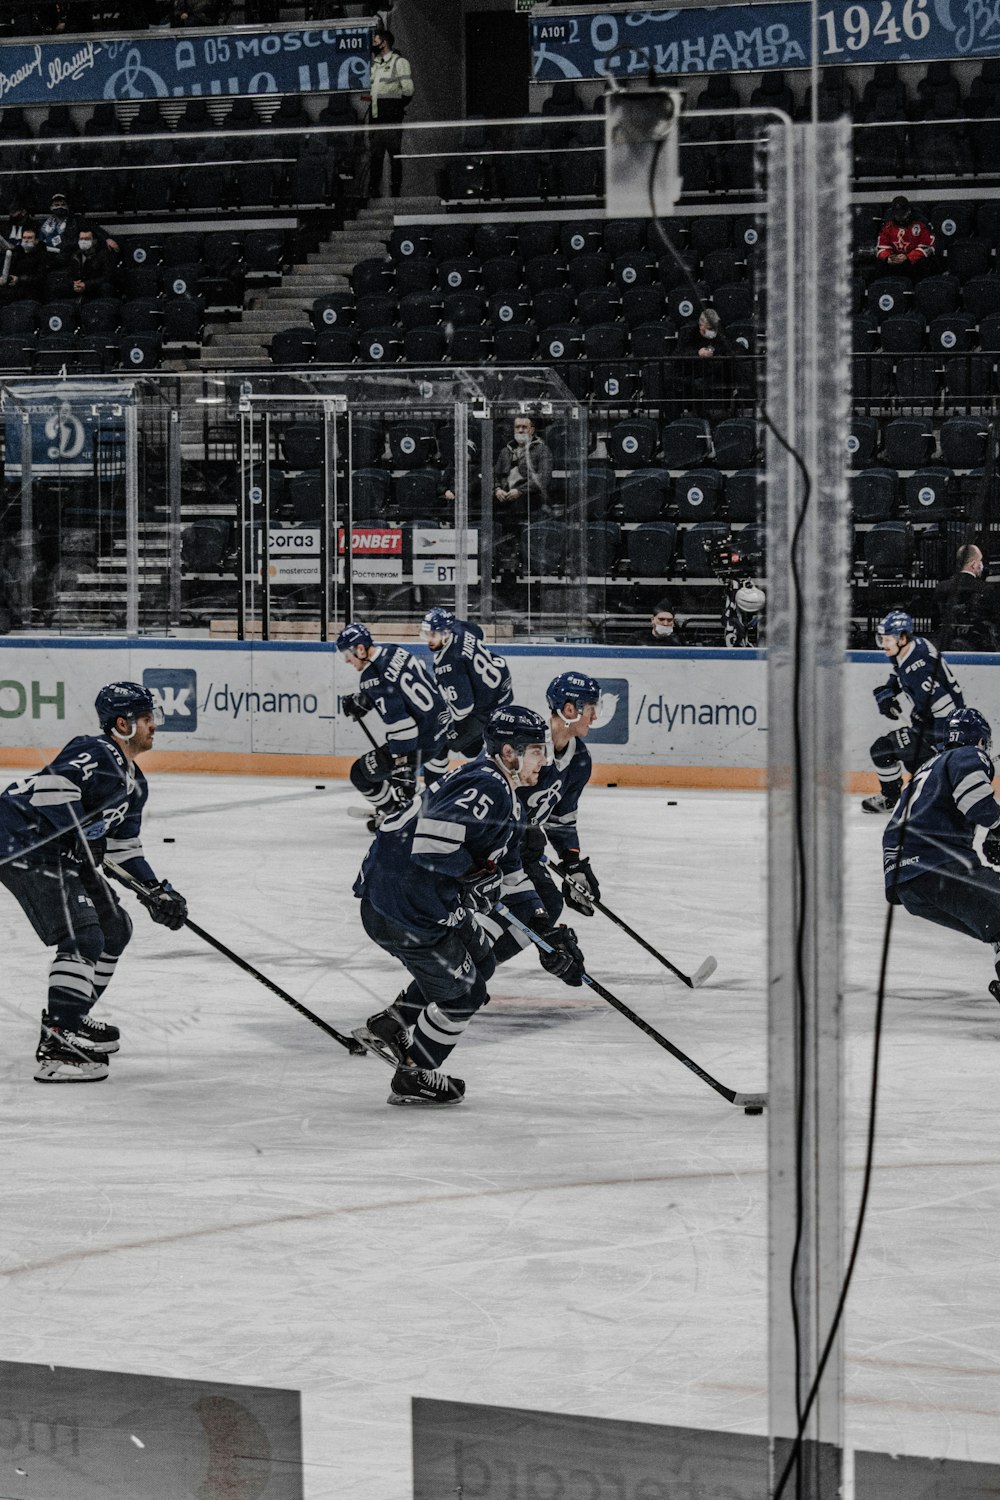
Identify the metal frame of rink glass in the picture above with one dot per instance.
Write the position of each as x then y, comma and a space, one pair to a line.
751, 1104
139, 889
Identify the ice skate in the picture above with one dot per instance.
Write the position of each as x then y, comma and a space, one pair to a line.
385, 1035
64, 1056
995, 989
880, 803
100, 1036
420, 1086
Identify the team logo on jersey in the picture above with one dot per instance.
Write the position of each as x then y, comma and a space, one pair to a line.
611, 724
176, 691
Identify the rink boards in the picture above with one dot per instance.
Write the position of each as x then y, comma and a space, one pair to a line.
670, 717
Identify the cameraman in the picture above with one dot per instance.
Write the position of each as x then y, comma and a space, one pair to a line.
391, 92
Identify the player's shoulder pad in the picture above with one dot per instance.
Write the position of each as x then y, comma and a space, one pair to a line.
102, 749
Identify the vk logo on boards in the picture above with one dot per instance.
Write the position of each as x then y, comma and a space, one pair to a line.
176, 691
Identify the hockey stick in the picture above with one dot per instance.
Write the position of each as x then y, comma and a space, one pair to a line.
130, 883
693, 981
752, 1104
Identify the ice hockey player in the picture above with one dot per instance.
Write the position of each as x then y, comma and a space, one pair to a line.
55, 828
551, 808
399, 688
474, 680
922, 677
430, 868
930, 865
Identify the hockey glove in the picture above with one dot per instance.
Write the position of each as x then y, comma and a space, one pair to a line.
164, 904
356, 705
403, 779
580, 887
384, 759
885, 697
481, 888
565, 960
991, 846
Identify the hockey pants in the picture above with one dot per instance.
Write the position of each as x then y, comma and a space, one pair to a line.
75, 911
966, 901
507, 941
448, 974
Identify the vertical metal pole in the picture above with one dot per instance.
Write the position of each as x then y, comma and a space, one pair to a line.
486, 537
329, 483
577, 559
348, 525
265, 540
132, 517
174, 511
808, 385
243, 562
460, 441
27, 522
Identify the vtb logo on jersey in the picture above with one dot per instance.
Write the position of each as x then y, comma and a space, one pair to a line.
176, 691
611, 725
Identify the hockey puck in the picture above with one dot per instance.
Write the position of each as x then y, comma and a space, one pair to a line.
753, 1109
170, 841
671, 804
321, 787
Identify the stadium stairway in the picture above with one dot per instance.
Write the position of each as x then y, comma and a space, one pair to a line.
243, 343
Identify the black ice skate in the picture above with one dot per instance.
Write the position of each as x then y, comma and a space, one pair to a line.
878, 804
385, 1035
419, 1086
100, 1036
65, 1056
995, 989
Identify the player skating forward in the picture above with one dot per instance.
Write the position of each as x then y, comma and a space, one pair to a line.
431, 866
931, 867
474, 680
414, 714
551, 807
926, 681
55, 827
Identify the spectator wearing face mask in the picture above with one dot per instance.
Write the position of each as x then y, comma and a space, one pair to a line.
391, 92
706, 366
86, 271
700, 338
522, 473
28, 270
663, 629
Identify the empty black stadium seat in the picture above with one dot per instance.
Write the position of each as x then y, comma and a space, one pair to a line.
733, 301
602, 543
952, 332
515, 343
412, 444
337, 345
936, 295
862, 441
596, 305
580, 239
543, 548
505, 308
873, 494
293, 346
409, 243
908, 443
560, 342
416, 309
415, 276
651, 549
888, 295
375, 309
381, 345
641, 304
460, 274
542, 272
735, 442
981, 297
963, 442
415, 494
916, 377
644, 494
686, 443
697, 541
605, 341
425, 345
927, 494
903, 333
140, 351
369, 493
744, 494
471, 345
502, 273
463, 309
333, 310
698, 494
633, 444
888, 549
371, 276
968, 258
553, 305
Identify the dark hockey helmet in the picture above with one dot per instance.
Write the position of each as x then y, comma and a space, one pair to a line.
967, 726
436, 622
897, 622
572, 687
125, 700
515, 726
352, 636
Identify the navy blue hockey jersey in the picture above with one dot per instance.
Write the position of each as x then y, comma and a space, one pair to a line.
928, 683
474, 680
553, 802
407, 700
938, 814
420, 858
91, 785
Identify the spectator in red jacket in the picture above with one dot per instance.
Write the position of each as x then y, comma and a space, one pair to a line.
905, 240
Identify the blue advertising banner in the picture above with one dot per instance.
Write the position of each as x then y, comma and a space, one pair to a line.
751, 38
172, 65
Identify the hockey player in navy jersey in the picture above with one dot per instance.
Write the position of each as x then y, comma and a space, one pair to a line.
931, 867
414, 714
55, 828
474, 680
924, 680
551, 809
431, 866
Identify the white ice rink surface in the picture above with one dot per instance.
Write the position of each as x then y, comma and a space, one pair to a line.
586, 1233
